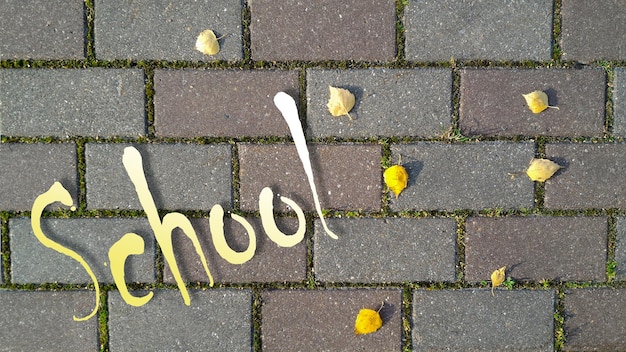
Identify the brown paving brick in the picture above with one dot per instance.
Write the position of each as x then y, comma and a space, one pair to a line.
492, 102
323, 320
220, 103
323, 30
593, 176
270, 262
347, 176
537, 247
595, 319
593, 30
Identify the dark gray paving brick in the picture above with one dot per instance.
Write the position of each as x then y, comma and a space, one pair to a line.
474, 320
376, 250
389, 102
619, 102
323, 30
179, 176
492, 102
31, 262
595, 320
593, 176
220, 103
323, 320
494, 30
593, 30
29, 170
347, 176
465, 176
536, 248
72, 102
166, 30
270, 263
620, 248
216, 320
40, 321
42, 29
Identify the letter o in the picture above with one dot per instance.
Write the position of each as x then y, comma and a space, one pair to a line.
266, 208
216, 223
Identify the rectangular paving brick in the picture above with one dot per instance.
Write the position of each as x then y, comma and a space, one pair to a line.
270, 263
220, 103
166, 30
360, 30
389, 102
180, 176
593, 176
536, 248
29, 170
620, 247
215, 320
376, 250
593, 30
492, 102
41, 321
465, 176
323, 320
347, 176
42, 29
94, 102
32, 262
493, 30
619, 102
474, 320
595, 320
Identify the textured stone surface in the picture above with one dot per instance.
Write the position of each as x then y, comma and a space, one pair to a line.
439, 30
593, 176
370, 250
216, 320
464, 176
166, 30
473, 320
72, 102
619, 102
323, 30
492, 102
536, 248
221, 103
415, 102
323, 320
620, 248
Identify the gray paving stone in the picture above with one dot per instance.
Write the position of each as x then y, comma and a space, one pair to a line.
29, 170
593, 176
32, 262
595, 320
489, 29
620, 248
465, 176
375, 250
473, 320
389, 102
270, 263
179, 176
40, 321
95, 102
492, 102
42, 29
216, 320
166, 30
220, 103
619, 102
347, 176
323, 320
323, 30
536, 248
593, 30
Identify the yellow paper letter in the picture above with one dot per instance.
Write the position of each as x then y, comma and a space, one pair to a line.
266, 207
130, 243
216, 222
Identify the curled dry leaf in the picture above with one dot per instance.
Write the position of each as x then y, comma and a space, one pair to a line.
341, 102
542, 169
497, 278
537, 101
207, 43
396, 178
367, 322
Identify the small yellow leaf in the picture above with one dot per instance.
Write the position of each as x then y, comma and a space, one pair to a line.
207, 43
497, 278
341, 102
541, 169
537, 101
396, 178
367, 321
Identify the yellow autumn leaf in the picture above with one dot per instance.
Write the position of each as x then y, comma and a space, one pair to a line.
207, 43
341, 102
396, 178
537, 101
497, 278
367, 322
542, 169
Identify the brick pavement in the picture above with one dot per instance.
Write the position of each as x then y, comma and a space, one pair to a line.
438, 84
